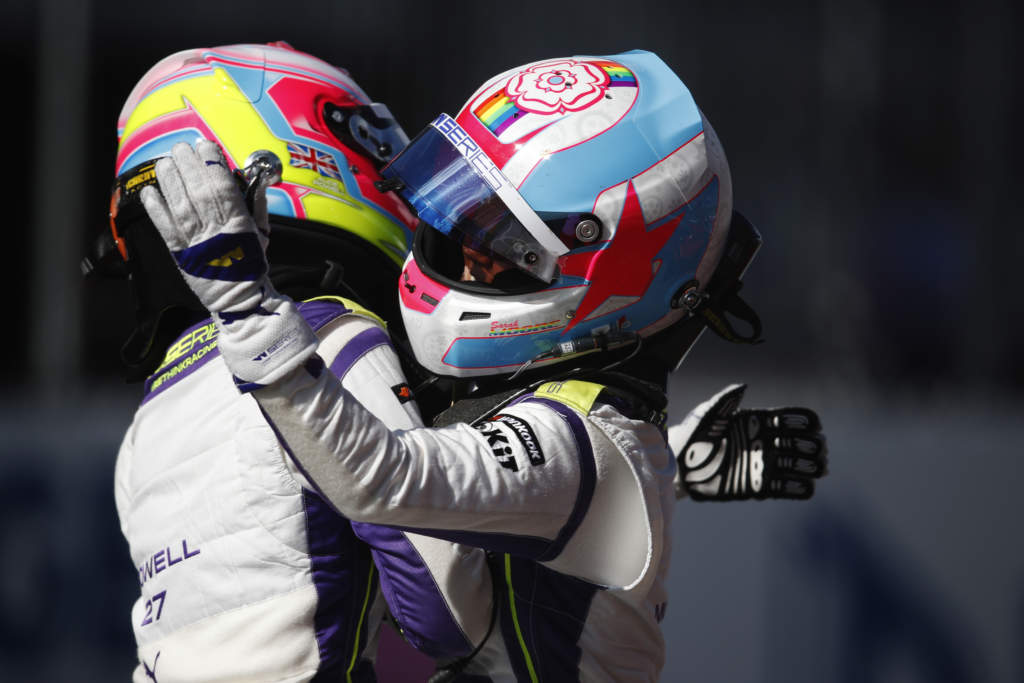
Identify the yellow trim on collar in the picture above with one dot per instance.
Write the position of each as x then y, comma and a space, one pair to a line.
576, 394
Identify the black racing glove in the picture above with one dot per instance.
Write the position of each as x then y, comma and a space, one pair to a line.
731, 454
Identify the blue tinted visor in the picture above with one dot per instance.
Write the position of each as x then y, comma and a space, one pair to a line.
456, 189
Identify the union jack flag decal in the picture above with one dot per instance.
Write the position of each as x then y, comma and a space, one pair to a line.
309, 157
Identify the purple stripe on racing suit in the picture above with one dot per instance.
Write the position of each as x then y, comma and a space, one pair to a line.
341, 568
588, 477
412, 595
408, 586
319, 313
357, 348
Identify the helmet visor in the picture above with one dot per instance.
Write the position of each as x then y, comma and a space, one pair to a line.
455, 188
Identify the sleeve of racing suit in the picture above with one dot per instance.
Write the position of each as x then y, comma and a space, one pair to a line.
484, 488
438, 592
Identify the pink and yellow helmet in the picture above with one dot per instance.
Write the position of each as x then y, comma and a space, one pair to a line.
329, 136
332, 230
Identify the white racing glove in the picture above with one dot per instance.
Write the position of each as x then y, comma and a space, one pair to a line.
731, 454
201, 215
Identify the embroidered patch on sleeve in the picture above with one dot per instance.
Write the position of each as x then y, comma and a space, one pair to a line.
497, 439
525, 435
402, 392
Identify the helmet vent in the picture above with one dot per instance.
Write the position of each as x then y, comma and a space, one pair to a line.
474, 315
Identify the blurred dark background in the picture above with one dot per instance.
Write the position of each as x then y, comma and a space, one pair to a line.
875, 146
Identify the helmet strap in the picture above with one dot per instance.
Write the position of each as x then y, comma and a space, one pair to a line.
714, 313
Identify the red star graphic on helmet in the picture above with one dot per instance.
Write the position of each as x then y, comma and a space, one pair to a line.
625, 267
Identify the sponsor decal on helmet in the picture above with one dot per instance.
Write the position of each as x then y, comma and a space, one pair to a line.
146, 175
470, 151
328, 185
301, 156
558, 88
504, 329
554, 88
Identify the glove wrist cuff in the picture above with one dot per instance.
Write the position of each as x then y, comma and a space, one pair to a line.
262, 345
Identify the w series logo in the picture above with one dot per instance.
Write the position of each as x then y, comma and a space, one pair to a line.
470, 151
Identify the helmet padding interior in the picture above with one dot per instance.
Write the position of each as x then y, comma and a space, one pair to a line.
301, 253
440, 257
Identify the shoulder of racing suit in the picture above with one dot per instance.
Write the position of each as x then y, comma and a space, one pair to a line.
623, 420
197, 345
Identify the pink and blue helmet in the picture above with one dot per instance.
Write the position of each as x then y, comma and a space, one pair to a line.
597, 178
330, 137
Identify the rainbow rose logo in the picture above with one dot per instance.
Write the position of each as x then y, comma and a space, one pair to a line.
558, 87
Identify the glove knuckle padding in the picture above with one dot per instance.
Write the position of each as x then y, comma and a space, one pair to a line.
756, 468
805, 445
728, 400
795, 419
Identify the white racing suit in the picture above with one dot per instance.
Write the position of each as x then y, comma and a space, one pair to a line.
574, 497
245, 572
